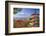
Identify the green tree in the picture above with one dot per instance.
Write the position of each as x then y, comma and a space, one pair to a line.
16, 10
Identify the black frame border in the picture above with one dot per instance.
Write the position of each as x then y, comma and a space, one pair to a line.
6, 17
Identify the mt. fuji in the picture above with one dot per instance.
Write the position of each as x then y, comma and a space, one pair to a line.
25, 13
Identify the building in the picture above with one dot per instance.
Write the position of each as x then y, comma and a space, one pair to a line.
34, 20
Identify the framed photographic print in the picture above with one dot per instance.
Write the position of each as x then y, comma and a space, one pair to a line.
24, 17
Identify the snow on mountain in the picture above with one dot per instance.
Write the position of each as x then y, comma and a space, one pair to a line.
25, 13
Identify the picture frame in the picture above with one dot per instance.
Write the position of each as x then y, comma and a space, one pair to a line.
12, 6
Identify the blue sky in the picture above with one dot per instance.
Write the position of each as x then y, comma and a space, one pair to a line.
26, 12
